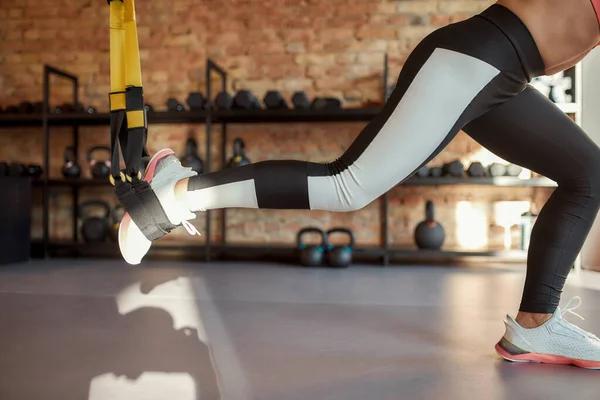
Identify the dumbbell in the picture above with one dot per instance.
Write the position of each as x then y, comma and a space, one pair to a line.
326, 103
90, 110
174, 105
497, 169
196, 101
423, 172
275, 101
149, 108
476, 170
12, 109
513, 170
224, 101
435, 172
17, 169
454, 169
245, 100
300, 101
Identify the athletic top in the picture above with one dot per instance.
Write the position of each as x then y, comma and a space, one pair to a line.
596, 5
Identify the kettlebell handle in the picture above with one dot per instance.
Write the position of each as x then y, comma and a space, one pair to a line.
69, 154
310, 229
343, 230
429, 211
238, 147
98, 148
114, 216
92, 203
191, 147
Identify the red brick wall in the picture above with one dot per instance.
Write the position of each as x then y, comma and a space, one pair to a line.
332, 48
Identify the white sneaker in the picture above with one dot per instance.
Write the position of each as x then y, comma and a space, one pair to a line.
557, 341
163, 171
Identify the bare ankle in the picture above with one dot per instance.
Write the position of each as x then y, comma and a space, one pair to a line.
532, 320
181, 188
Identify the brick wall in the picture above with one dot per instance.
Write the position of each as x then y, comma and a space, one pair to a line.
333, 48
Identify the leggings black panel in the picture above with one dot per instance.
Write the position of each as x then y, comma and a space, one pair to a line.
529, 130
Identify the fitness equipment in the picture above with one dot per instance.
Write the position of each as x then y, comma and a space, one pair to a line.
496, 169
3, 169
224, 101
71, 168
149, 107
17, 169
196, 101
191, 158
340, 256
326, 103
239, 154
311, 255
94, 229
116, 216
91, 110
275, 101
429, 234
454, 169
300, 100
435, 172
513, 170
12, 110
476, 170
423, 172
174, 105
100, 168
25, 107
245, 100
34, 170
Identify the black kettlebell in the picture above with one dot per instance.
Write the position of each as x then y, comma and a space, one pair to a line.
94, 229
70, 169
100, 168
340, 256
429, 234
191, 159
35, 170
116, 217
311, 255
239, 154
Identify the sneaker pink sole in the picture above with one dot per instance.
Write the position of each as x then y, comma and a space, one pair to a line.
124, 227
545, 359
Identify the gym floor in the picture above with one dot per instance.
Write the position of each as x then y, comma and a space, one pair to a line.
100, 330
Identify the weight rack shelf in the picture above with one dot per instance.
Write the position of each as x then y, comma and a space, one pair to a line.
111, 250
199, 117
259, 116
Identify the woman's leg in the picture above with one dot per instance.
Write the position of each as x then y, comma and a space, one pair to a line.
529, 130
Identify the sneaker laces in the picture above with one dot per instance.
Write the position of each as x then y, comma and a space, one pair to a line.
570, 311
190, 228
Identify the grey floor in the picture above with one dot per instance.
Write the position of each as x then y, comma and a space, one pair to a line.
102, 330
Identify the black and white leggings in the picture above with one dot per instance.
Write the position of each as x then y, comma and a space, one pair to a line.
472, 75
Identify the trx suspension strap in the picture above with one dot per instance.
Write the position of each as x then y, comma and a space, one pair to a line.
128, 124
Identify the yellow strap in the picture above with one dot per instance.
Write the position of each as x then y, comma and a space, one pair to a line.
117, 47
136, 119
133, 69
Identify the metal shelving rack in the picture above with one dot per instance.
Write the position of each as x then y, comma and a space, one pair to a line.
211, 117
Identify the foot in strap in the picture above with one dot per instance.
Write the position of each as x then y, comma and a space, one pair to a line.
557, 341
162, 173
